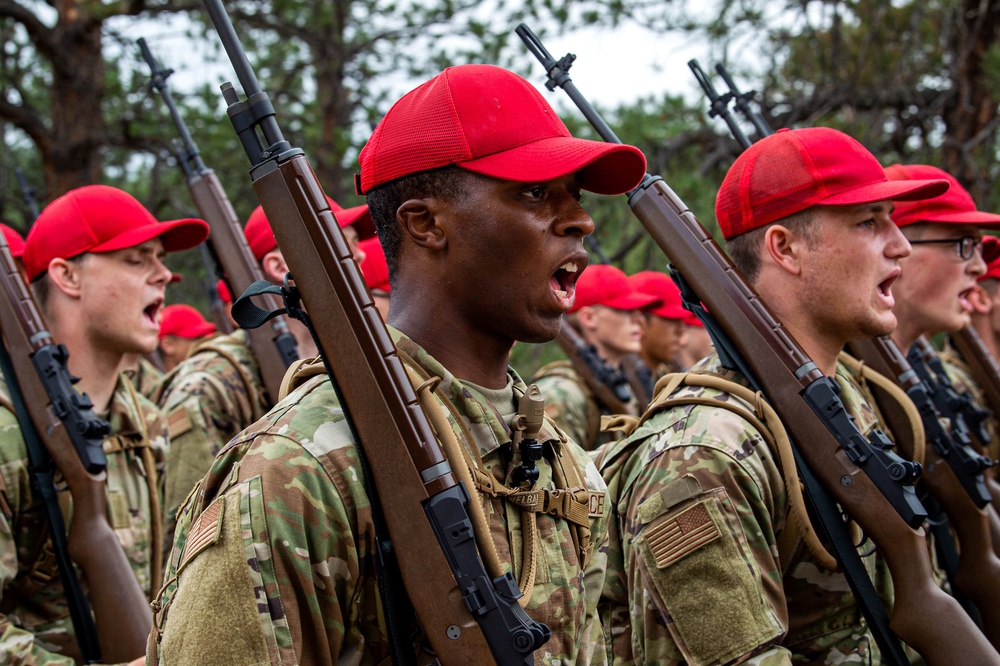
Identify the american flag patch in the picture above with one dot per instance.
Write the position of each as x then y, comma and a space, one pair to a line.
681, 535
205, 532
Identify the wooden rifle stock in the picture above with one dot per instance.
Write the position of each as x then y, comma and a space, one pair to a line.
62, 433
978, 572
607, 383
848, 464
982, 364
273, 346
467, 614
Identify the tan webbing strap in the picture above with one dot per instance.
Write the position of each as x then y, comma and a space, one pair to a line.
864, 374
767, 423
256, 410
298, 372
153, 488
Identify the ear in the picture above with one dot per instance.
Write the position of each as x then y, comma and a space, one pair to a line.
66, 276
420, 221
784, 248
274, 266
587, 318
981, 302
168, 345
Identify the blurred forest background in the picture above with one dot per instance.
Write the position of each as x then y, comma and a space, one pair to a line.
913, 80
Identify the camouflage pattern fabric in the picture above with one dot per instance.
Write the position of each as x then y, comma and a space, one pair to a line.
145, 378
207, 399
35, 628
571, 404
694, 577
276, 545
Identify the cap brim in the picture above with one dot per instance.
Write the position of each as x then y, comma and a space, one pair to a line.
176, 235
889, 190
692, 320
670, 312
632, 301
973, 217
603, 168
360, 217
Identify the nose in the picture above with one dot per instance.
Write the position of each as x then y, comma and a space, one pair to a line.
161, 272
897, 247
976, 265
573, 219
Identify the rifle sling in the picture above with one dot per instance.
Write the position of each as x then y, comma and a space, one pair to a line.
84, 627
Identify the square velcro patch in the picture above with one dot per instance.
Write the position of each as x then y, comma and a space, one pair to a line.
681, 534
205, 531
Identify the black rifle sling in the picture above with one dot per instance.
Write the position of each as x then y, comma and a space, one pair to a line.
827, 513
84, 626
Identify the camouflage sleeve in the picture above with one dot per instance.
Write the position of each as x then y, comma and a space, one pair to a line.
204, 409
18, 646
699, 547
280, 561
566, 405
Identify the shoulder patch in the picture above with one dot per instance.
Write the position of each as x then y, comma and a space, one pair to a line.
178, 423
205, 532
675, 538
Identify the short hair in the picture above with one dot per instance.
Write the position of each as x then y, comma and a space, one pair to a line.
42, 287
383, 201
744, 249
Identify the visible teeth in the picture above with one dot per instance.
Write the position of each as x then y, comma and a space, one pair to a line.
569, 267
560, 293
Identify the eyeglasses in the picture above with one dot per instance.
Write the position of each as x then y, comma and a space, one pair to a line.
966, 245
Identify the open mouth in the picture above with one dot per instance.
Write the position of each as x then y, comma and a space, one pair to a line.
563, 282
152, 311
963, 299
885, 288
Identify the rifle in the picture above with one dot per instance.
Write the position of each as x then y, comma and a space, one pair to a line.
953, 477
275, 349
953, 480
62, 434
719, 104
467, 614
873, 484
607, 382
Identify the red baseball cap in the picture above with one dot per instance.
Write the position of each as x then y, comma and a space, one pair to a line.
663, 287
490, 121
359, 218
991, 255
260, 237
223, 290
374, 268
792, 170
14, 240
99, 218
183, 321
603, 284
176, 277
952, 207
692, 320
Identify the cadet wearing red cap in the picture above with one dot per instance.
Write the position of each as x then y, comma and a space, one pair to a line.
697, 345
939, 290
95, 259
608, 314
706, 565
14, 240
181, 327
356, 223
474, 184
664, 332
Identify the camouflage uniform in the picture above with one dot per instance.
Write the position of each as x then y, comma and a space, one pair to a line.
145, 378
208, 398
571, 404
277, 544
694, 572
35, 627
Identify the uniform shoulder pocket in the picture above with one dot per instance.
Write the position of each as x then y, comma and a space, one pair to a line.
700, 573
